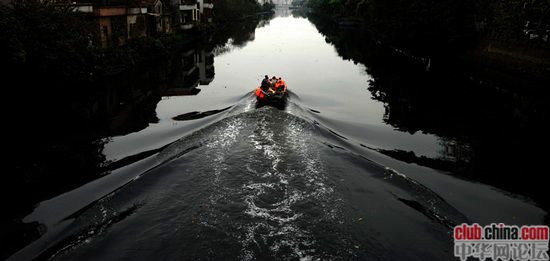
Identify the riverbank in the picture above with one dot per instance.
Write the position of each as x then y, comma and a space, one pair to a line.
482, 115
353, 154
66, 121
511, 65
515, 66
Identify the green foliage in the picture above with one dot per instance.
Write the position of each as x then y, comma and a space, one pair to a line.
429, 24
55, 44
328, 6
298, 2
267, 6
513, 20
147, 49
230, 10
421, 23
44, 38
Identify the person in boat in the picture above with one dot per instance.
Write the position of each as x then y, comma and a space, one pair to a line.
273, 82
280, 85
265, 84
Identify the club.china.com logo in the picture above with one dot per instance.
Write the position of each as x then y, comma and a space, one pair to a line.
500, 242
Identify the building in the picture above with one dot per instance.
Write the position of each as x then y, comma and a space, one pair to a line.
205, 10
187, 15
159, 17
117, 20
192, 12
121, 20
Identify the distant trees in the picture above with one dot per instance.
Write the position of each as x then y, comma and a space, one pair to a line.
429, 24
52, 43
329, 6
38, 36
514, 20
298, 2
227, 10
425, 24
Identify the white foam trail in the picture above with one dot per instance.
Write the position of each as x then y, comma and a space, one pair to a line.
226, 136
250, 105
280, 218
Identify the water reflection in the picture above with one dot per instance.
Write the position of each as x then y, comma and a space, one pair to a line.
283, 11
487, 131
69, 151
166, 120
195, 67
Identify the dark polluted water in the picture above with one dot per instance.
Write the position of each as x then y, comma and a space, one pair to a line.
214, 177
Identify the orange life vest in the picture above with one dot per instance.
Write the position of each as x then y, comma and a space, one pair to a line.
280, 84
259, 93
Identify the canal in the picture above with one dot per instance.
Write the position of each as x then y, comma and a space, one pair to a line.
366, 161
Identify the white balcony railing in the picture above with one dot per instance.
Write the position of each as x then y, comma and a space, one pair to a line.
185, 7
186, 26
137, 10
83, 8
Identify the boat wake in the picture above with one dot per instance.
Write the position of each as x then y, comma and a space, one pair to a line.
255, 184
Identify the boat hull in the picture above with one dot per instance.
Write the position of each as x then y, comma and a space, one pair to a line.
274, 99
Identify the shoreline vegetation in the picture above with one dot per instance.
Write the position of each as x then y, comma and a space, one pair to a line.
508, 38
62, 80
72, 93
42, 38
482, 115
